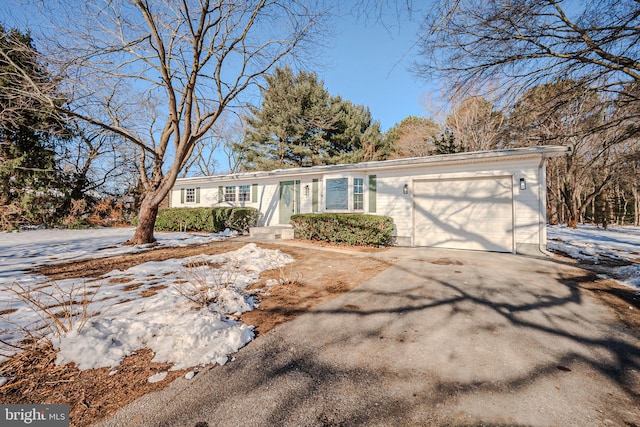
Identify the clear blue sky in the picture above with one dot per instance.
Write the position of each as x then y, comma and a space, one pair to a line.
368, 64
365, 62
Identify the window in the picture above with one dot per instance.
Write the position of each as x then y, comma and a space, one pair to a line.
337, 194
230, 194
358, 185
244, 193
344, 194
190, 195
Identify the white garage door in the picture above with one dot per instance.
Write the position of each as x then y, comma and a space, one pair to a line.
469, 213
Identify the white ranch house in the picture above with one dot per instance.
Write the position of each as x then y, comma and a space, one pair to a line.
489, 200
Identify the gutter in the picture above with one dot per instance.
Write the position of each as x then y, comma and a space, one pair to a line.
414, 162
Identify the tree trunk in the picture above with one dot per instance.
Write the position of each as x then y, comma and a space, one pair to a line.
573, 213
605, 209
636, 205
146, 223
572, 222
553, 211
571, 203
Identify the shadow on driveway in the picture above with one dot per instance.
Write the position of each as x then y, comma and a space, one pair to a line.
440, 338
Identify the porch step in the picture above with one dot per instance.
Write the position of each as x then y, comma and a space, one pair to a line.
283, 232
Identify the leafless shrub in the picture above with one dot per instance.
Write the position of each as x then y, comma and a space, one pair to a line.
286, 275
59, 310
204, 281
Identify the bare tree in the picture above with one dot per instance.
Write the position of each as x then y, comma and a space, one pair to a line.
208, 153
232, 135
475, 124
531, 42
203, 160
96, 160
626, 194
560, 114
413, 137
159, 74
624, 200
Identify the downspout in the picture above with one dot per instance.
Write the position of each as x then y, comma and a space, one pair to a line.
542, 211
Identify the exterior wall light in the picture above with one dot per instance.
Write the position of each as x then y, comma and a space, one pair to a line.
405, 189
523, 184
306, 190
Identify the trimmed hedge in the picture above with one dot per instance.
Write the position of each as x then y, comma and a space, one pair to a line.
213, 220
350, 229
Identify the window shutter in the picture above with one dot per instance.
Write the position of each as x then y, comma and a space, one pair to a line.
182, 195
254, 193
197, 194
372, 193
314, 196
220, 194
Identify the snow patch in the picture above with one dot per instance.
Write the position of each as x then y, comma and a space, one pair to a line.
156, 378
613, 246
176, 329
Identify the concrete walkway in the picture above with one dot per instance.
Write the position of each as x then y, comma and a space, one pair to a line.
440, 338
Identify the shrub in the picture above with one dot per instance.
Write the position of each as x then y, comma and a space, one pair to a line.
212, 220
350, 229
205, 283
59, 309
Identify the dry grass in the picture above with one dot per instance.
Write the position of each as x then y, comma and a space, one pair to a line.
39, 357
95, 394
61, 310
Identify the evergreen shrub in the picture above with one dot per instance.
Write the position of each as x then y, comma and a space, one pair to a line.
213, 220
349, 229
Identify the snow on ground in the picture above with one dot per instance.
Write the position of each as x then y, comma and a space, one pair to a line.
26, 249
617, 247
167, 320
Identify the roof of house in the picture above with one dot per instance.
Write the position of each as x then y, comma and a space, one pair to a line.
413, 162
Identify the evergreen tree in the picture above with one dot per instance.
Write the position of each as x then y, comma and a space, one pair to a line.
32, 186
355, 137
301, 124
446, 143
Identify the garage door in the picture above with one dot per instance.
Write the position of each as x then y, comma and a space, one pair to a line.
469, 213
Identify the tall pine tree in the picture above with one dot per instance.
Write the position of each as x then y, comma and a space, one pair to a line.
300, 124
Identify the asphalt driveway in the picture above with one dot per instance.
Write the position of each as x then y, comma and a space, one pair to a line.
440, 338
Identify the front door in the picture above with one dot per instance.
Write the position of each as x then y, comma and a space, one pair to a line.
287, 201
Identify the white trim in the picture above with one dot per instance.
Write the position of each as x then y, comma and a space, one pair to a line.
349, 178
234, 193
193, 196
402, 164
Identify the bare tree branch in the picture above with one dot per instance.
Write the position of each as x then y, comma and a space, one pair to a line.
159, 74
529, 42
